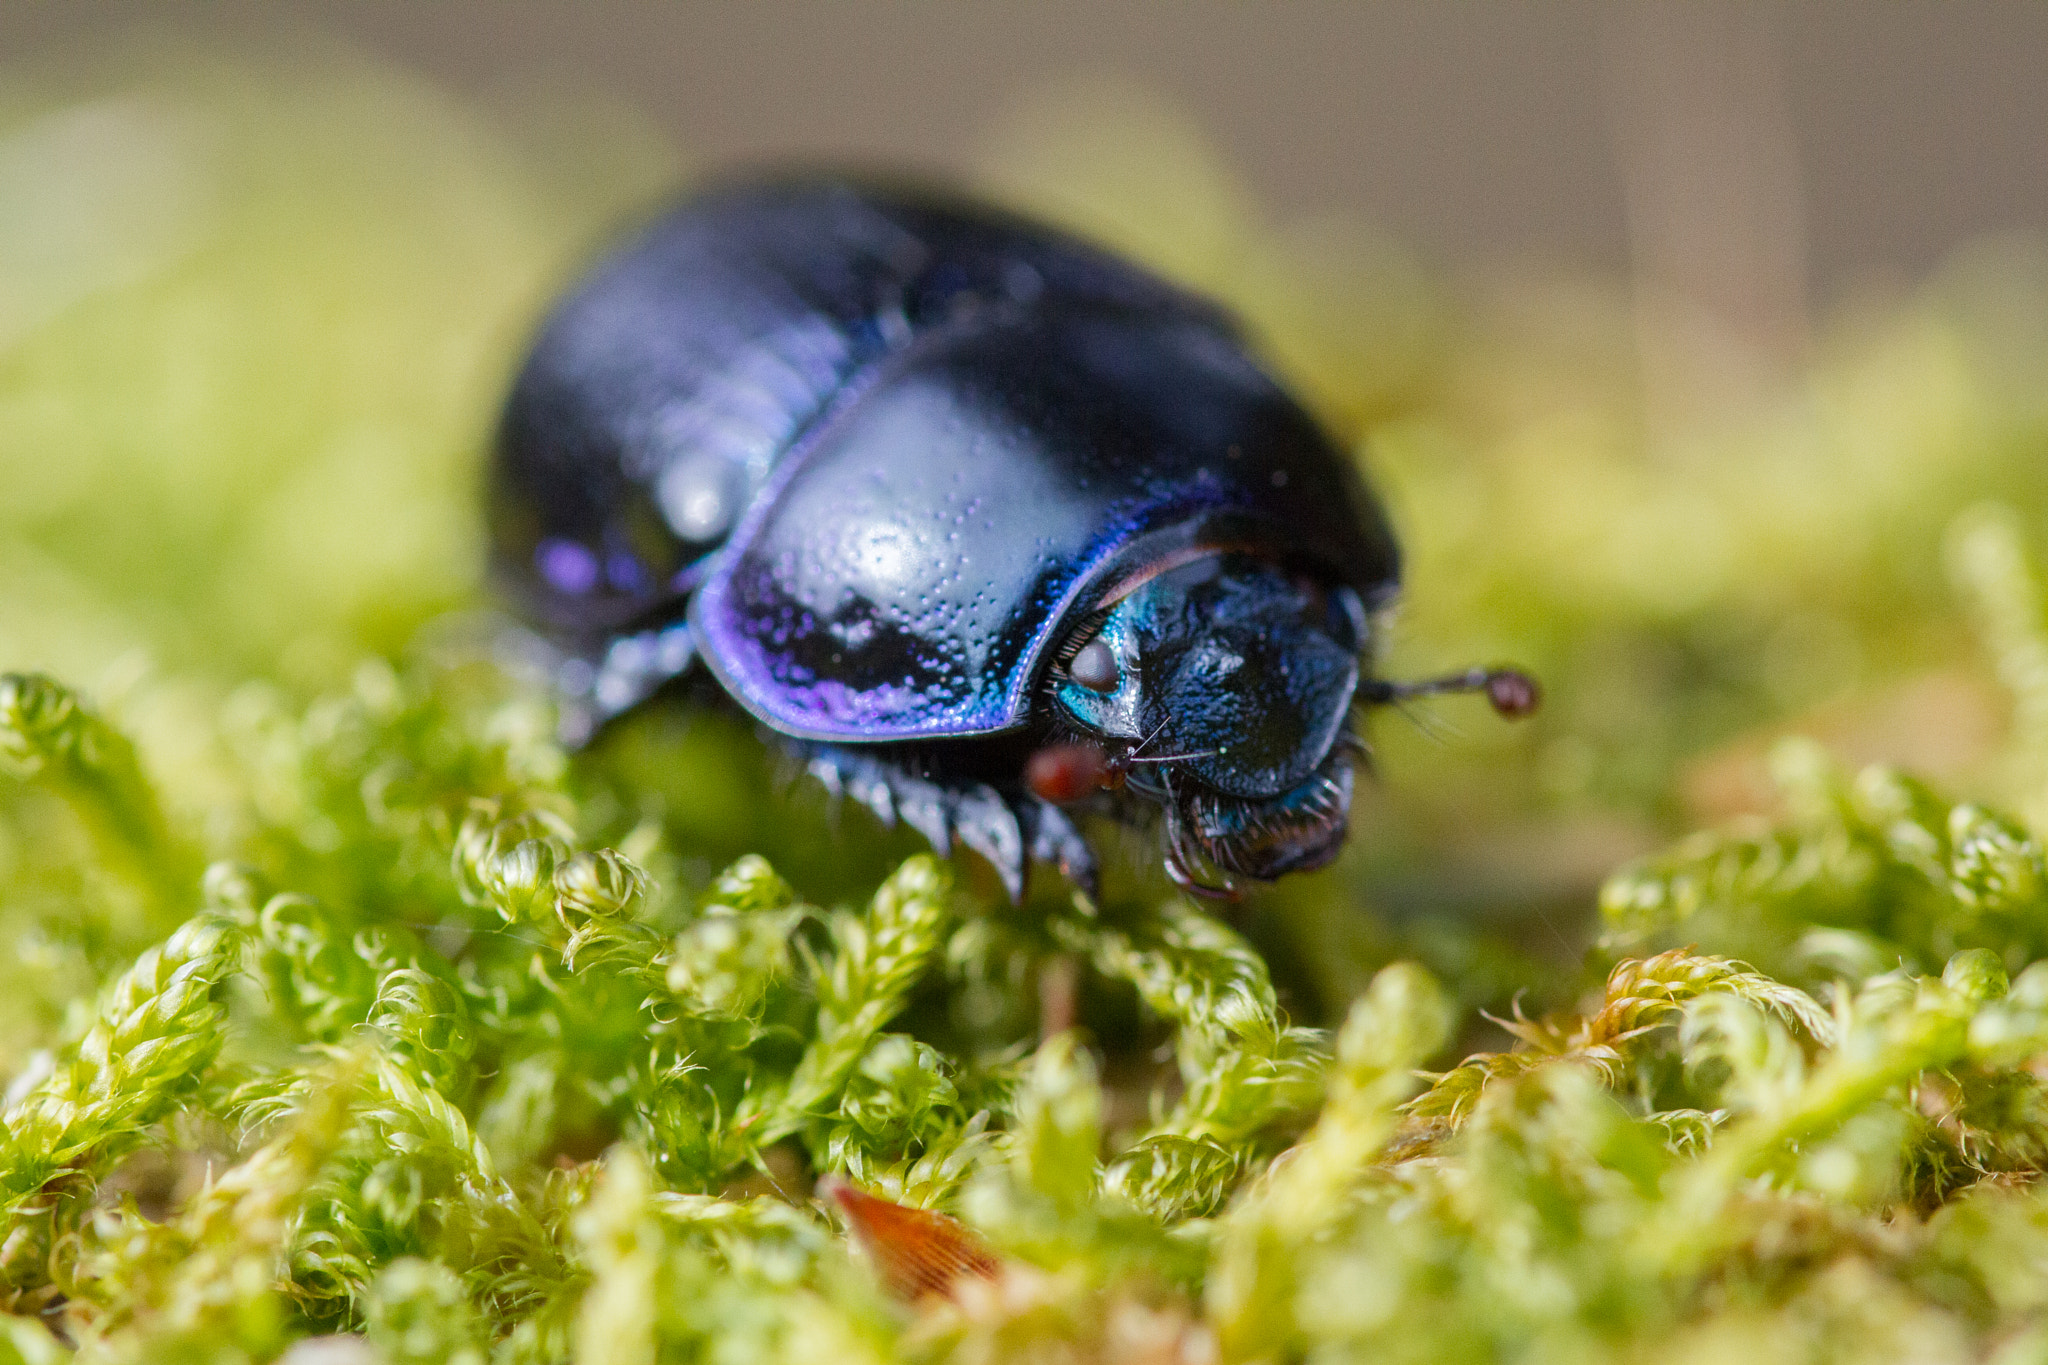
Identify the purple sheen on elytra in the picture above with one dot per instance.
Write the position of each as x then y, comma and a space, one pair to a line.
757, 652
762, 669
568, 567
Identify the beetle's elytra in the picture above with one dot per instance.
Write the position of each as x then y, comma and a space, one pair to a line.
981, 518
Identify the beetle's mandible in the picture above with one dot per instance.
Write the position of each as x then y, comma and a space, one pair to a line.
984, 520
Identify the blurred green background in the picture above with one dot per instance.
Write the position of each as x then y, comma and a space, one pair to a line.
1688, 349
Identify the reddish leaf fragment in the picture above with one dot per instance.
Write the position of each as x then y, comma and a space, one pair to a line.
917, 1252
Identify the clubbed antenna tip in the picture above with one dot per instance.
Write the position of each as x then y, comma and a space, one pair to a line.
1513, 693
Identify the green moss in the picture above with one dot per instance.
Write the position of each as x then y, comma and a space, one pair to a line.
336, 999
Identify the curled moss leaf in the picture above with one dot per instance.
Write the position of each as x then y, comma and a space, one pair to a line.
862, 983
158, 1027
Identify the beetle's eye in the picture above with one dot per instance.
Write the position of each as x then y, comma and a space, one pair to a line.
1094, 667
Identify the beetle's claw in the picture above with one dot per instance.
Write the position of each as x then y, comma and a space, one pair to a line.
843, 773
874, 787
927, 808
635, 667
986, 824
825, 765
592, 690
1055, 840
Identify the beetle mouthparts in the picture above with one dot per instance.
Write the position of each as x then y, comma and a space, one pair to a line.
1213, 839
1512, 693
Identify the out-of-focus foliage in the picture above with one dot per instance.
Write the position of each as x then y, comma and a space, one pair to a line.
343, 1017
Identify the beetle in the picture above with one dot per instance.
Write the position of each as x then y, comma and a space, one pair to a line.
981, 519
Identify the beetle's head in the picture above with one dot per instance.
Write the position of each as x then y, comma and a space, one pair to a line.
1221, 688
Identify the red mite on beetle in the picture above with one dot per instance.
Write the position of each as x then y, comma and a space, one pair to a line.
982, 521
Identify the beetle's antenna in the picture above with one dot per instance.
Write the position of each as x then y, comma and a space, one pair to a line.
1132, 757
1176, 758
1513, 693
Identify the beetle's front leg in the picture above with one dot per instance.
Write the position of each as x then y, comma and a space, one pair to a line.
1054, 839
1009, 831
593, 686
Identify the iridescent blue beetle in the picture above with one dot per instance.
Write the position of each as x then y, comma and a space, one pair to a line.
982, 519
